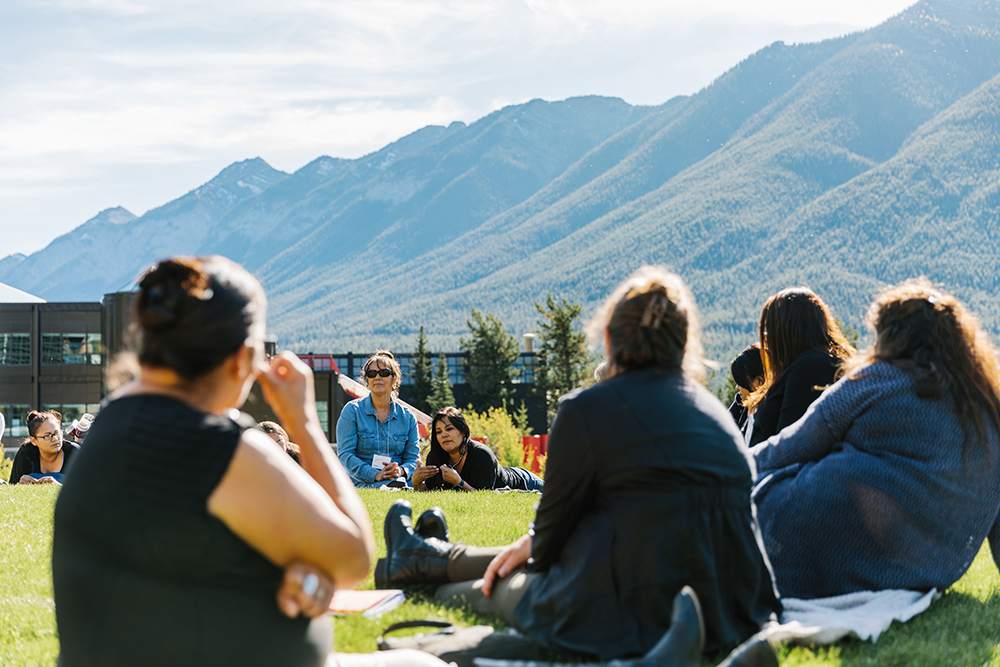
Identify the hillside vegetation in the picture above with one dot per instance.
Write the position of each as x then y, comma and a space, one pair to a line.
844, 165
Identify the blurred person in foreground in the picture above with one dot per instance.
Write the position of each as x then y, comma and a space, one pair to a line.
184, 536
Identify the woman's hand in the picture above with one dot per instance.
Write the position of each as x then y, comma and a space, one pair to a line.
390, 470
288, 388
423, 473
48, 480
450, 475
27, 479
505, 562
305, 590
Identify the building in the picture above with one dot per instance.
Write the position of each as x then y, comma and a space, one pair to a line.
55, 356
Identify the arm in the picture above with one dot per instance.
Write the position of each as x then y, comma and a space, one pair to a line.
569, 478
808, 439
411, 450
347, 443
289, 513
21, 466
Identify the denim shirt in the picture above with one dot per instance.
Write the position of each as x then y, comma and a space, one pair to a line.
360, 436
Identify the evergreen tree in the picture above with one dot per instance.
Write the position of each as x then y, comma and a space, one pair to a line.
563, 354
491, 353
441, 395
421, 373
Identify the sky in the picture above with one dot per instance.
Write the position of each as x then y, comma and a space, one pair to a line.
134, 103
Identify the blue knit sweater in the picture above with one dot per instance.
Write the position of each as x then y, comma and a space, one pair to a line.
869, 490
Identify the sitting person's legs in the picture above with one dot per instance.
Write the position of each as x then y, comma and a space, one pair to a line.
506, 594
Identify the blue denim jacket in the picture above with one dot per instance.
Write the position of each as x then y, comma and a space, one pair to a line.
360, 436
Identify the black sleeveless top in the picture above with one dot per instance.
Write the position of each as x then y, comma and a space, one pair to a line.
143, 574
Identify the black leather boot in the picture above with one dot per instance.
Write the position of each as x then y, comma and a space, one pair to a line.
432, 524
684, 642
754, 652
410, 558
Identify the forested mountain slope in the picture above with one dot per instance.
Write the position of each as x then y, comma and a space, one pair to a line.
844, 165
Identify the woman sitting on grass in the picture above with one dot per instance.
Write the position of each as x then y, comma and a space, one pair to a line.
455, 461
45, 456
892, 478
647, 489
184, 536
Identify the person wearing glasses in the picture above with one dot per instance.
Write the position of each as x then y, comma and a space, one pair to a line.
44, 456
377, 438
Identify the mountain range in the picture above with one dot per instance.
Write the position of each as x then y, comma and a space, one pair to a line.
844, 165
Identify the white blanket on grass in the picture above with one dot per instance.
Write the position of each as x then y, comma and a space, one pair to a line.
865, 615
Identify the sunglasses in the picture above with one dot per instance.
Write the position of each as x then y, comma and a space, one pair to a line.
384, 372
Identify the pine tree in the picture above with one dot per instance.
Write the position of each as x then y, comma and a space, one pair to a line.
441, 395
491, 355
421, 373
563, 354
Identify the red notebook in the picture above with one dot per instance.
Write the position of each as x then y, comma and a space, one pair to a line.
372, 603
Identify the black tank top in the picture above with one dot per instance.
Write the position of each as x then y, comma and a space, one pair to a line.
143, 574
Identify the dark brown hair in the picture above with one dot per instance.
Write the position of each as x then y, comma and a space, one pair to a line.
793, 322
193, 313
35, 419
651, 320
931, 334
457, 419
747, 366
385, 356
271, 427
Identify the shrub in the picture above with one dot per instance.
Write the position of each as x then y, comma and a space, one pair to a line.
500, 434
6, 465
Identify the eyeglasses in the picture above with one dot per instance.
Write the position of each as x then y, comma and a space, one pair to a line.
372, 372
51, 437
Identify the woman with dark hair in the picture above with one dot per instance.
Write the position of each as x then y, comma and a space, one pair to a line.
647, 489
802, 349
44, 457
225, 552
747, 371
892, 478
455, 461
377, 438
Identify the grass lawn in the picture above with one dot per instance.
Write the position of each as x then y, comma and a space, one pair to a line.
962, 628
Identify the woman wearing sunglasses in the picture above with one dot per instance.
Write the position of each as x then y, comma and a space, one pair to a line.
377, 438
44, 456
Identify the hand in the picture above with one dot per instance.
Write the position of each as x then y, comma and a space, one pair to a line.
505, 562
287, 384
305, 590
27, 479
390, 470
450, 475
423, 473
48, 480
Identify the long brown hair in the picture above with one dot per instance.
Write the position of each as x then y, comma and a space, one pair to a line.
793, 322
932, 335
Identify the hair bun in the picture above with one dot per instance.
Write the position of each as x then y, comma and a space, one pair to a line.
165, 288
33, 415
383, 353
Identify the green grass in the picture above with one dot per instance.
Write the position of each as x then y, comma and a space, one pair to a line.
961, 629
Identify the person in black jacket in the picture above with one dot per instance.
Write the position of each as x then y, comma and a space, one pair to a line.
455, 461
45, 456
647, 489
802, 349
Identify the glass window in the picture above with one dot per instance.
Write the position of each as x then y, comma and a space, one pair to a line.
15, 349
323, 409
405, 367
456, 368
71, 348
71, 411
526, 363
15, 415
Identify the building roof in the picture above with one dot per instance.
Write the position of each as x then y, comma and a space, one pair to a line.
10, 294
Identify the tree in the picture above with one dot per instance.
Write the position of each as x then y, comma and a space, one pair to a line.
421, 373
441, 395
491, 353
563, 356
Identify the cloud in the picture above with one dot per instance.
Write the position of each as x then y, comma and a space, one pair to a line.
131, 91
